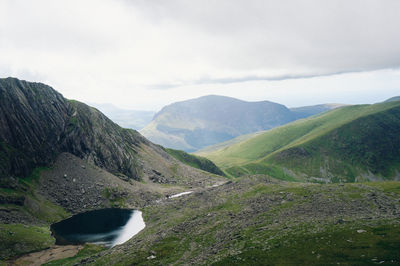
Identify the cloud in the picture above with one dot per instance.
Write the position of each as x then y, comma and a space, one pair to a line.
92, 47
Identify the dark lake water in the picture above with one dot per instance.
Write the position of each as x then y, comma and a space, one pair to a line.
109, 227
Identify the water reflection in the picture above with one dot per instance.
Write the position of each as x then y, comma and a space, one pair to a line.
109, 227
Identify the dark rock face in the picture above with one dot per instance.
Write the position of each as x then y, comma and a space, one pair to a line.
92, 136
32, 119
37, 123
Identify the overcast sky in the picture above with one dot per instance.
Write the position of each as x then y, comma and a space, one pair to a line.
144, 54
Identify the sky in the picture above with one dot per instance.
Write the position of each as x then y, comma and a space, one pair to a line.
145, 54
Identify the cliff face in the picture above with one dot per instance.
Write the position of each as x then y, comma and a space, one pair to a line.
37, 124
33, 118
91, 135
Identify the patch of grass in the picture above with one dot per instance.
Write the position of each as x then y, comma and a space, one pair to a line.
33, 177
88, 250
26, 199
116, 201
386, 186
237, 171
43, 209
230, 205
258, 189
18, 239
268, 169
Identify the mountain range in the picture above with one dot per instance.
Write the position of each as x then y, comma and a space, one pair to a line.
194, 124
60, 157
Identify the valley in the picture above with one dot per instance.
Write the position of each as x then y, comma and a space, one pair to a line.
320, 190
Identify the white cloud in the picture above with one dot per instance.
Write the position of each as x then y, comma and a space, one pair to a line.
119, 51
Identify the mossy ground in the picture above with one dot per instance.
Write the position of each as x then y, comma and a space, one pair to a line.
342, 244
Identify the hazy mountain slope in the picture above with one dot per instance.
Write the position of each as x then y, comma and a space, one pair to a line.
393, 99
196, 123
310, 146
306, 111
134, 119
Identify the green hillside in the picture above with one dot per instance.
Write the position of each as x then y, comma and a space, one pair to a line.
349, 143
195, 161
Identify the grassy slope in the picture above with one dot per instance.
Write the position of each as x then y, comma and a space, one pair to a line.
195, 161
255, 151
369, 144
219, 146
252, 222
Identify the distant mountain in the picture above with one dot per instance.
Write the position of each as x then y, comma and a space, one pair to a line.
194, 124
393, 99
134, 119
353, 143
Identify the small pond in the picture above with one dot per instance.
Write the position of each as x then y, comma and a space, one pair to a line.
109, 227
